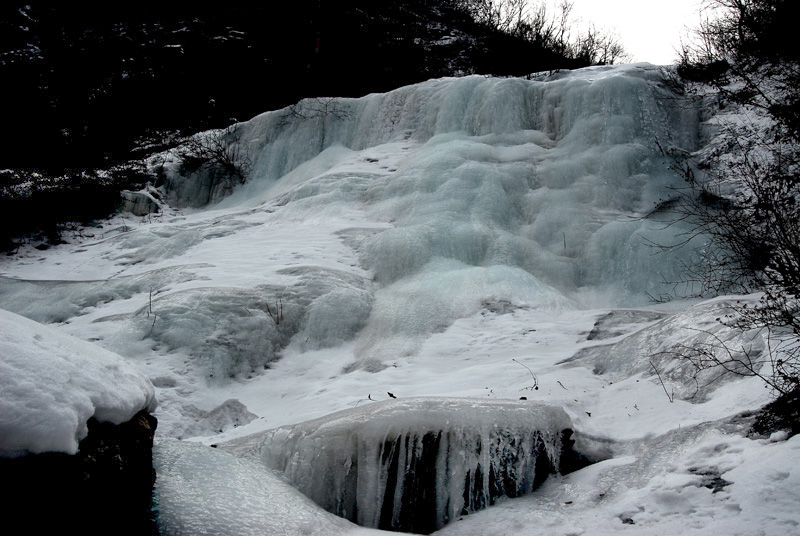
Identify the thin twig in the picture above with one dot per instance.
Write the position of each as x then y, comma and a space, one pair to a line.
670, 396
535, 386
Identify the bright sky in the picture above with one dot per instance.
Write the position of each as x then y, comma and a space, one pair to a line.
649, 30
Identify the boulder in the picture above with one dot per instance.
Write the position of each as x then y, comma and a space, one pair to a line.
105, 488
416, 464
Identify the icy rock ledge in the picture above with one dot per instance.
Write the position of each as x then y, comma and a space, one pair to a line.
415, 464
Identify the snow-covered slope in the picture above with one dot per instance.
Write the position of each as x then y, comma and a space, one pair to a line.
474, 237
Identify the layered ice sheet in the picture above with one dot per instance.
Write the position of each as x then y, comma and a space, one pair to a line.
553, 177
416, 464
681, 349
538, 193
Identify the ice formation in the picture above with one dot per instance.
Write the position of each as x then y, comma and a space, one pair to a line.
204, 491
416, 464
382, 220
52, 384
421, 242
672, 346
536, 192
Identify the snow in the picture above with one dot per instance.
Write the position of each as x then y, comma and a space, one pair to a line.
468, 238
200, 491
663, 486
52, 384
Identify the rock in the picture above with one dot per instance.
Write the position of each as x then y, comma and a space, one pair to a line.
415, 464
106, 488
139, 203
780, 415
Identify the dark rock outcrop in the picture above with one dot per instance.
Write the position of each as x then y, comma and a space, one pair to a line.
782, 414
106, 488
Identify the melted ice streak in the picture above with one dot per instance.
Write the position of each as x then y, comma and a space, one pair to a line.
415, 464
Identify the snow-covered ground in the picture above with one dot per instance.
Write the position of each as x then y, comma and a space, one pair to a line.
472, 238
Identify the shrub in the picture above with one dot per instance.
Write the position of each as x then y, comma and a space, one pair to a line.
216, 150
746, 198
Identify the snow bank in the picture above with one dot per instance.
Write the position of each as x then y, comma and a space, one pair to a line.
416, 464
701, 480
52, 383
675, 345
204, 491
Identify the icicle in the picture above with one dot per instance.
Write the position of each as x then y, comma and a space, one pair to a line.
416, 464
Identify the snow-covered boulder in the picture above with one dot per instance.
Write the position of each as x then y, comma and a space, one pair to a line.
51, 384
416, 464
76, 434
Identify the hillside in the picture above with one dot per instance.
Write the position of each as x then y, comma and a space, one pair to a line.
99, 87
94, 82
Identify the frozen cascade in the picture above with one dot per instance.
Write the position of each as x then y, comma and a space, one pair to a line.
595, 106
476, 190
377, 222
421, 243
415, 464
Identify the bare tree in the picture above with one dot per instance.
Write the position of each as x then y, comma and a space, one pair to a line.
745, 198
315, 107
216, 150
550, 31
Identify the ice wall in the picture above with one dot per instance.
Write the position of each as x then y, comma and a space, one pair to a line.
381, 220
538, 192
596, 106
416, 464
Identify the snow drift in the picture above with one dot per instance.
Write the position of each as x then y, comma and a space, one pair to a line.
416, 464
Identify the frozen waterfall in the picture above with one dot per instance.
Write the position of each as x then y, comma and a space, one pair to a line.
373, 224
416, 464
431, 242
456, 193
421, 206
